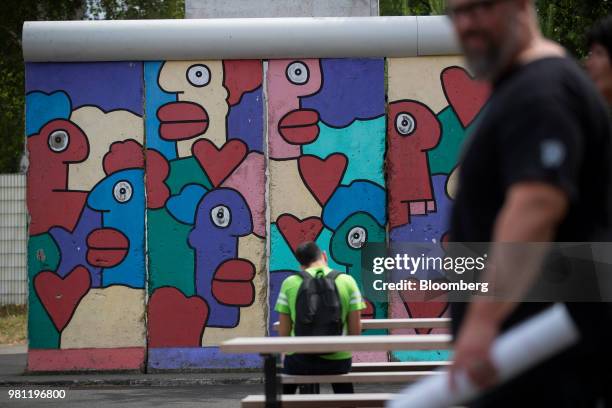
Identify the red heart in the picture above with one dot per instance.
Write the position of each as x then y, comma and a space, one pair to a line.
322, 176
421, 309
233, 283
175, 320
219, 163
60, 296
466, 95
296, 231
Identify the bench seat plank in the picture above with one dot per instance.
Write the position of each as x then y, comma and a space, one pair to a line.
415, 323
400, 366
365, 377
394, 324
329, 344
323, 400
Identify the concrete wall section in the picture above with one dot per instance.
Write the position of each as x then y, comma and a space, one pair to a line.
326, 137
205, 166
433, 103
86, 200
206, 211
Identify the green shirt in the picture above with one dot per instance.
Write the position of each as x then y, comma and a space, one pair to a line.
350, 300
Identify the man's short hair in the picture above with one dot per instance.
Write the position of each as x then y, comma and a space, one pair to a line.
601, 33
307, 253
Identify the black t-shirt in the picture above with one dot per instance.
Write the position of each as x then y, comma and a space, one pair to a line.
546, 122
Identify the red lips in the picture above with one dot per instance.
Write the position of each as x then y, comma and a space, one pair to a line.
299, 126
181, 120
233, 283
106, 247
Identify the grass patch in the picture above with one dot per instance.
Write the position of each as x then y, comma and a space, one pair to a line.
13, 324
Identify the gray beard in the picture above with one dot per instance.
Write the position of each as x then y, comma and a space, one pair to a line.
496, 60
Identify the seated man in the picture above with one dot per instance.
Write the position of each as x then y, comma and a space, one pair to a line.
318, 301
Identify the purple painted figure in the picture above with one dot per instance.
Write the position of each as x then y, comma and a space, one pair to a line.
245, 120
73, 245
352, 89
107, 85
222, 216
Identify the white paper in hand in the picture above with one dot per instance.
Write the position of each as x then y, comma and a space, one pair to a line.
513, 352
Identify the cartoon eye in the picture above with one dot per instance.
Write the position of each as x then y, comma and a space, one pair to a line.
122, 191
297, 73
356, 237
221, 216
58, 140
198, 75
404, 123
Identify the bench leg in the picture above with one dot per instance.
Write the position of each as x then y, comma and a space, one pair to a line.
272, 381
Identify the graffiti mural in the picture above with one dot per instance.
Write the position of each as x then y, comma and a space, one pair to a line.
177, 177
86, 199
326, 138
206, 211
433, 104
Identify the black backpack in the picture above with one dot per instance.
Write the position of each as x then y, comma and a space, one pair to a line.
317, 307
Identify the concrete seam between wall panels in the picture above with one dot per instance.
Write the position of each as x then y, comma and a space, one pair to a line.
267, 215
145, 365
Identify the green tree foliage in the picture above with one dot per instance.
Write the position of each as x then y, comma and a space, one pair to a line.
135, 9
12, 15
565, 21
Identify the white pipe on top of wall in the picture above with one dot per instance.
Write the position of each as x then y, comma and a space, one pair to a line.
237, 38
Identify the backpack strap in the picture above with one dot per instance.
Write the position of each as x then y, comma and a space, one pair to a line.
333, 275
304, 275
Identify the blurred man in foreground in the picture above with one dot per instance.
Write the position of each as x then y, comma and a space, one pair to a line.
535, 170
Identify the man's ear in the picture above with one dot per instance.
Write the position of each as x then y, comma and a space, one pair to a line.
324, 256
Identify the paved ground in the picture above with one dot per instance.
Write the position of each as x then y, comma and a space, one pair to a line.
134, 390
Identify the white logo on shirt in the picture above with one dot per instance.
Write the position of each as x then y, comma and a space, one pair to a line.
552, 153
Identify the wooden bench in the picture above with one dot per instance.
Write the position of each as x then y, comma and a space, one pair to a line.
322, 400
271, 347
395, 324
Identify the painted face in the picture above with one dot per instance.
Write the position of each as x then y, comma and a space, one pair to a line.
222, 217
599, 67
289, 124
345, 246
351, 236
201, 108
58, 143
118, 244
412, 130
221, 212
61, 140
